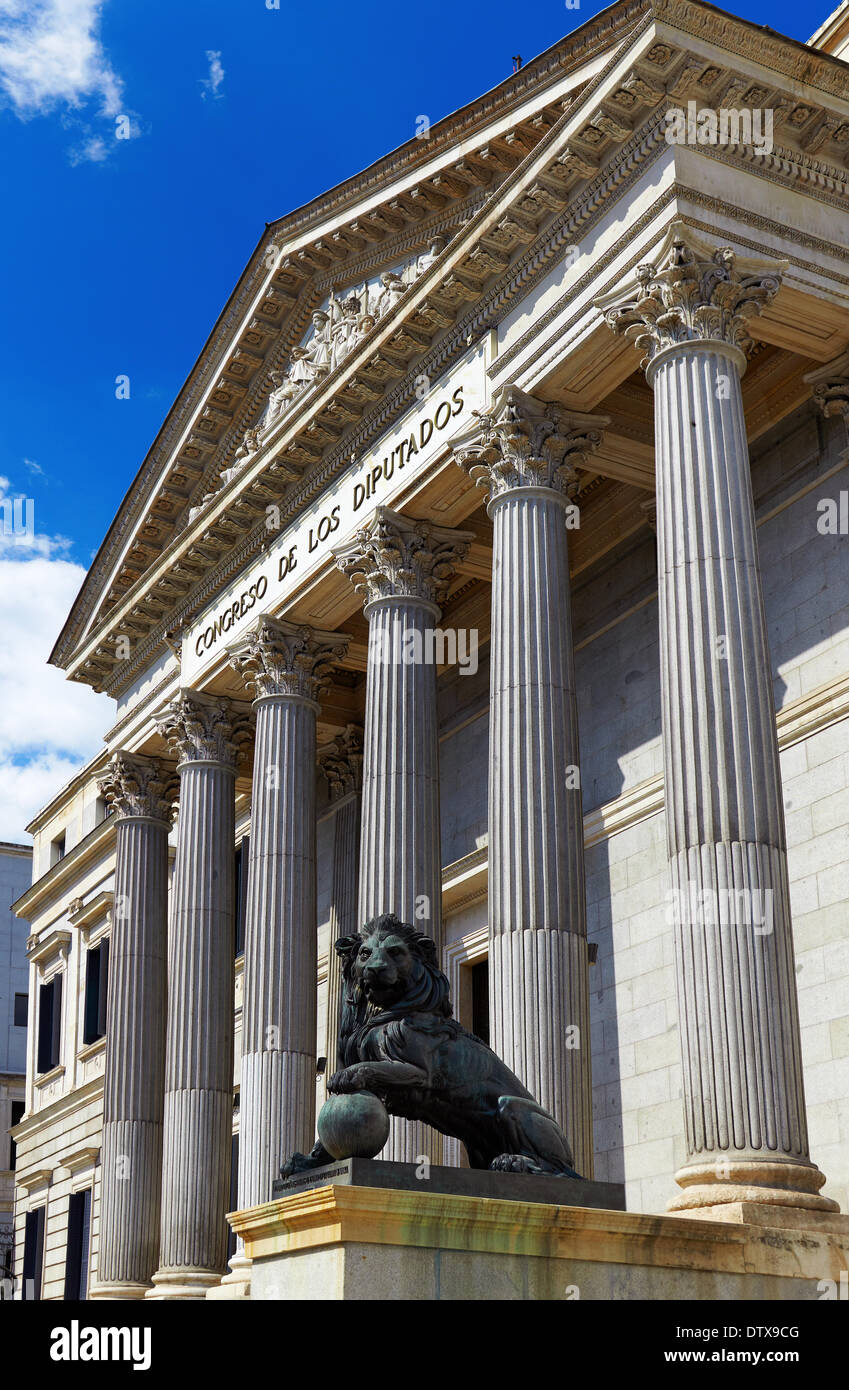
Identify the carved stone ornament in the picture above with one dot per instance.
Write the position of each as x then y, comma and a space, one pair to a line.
138, 786
831, 387
522, 442
692, 293
280, 658
201, 728
393, 556
341, 762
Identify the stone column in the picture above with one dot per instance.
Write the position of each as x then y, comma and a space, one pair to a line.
199, 1050
140, 791
404, 568
341, 763
287, 666
744, 1103
526, 454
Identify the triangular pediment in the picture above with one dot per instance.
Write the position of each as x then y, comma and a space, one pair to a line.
385, 279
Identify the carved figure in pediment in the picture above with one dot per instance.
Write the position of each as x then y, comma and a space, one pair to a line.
427, 258
320, 343
345, 331
280, 398
393, 289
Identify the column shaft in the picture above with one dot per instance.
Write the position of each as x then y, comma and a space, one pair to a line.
744, 1103
539, 987
279, 1008
199, 1072
405, 568
134, 1082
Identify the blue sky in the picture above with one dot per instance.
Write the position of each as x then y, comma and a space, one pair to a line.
118, 254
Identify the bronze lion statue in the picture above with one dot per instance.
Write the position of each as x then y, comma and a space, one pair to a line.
399, 1040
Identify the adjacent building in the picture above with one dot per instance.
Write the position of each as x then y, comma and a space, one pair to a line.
490, 568
15, 877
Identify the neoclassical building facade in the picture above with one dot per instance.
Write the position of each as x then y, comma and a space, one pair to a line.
490, 569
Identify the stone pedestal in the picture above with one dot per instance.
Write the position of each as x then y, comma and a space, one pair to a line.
404, 568
140, 792
526, 454
744, 1103
364, 1243
199, 1052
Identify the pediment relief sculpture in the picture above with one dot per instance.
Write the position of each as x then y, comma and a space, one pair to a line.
336, 330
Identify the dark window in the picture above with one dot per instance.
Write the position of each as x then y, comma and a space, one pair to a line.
96, 977
21, 1003
57, 849
241, 893
76, 1255
234, 1192
480, 1000
17, 1116
33, 1253
102, 810
49, 1023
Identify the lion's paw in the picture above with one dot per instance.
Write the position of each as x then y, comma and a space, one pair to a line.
343, 1082
514, 1163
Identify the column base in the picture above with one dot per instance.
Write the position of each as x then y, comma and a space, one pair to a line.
236, 1284
183, 1282
120, 1290
708, 1187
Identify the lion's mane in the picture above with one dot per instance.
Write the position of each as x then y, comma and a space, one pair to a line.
428, 995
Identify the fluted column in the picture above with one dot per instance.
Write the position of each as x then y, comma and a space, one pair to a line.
199, 1049
341, 763
526, 454
404, 568
140, 791
287, 666
744, 1103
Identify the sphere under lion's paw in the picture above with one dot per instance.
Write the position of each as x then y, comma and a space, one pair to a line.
355, 1125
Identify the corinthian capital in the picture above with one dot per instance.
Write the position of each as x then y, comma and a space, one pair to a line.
138, 786
341, 762
522, 442
831, 386
201, 728
691, 293
280, 658
395, 557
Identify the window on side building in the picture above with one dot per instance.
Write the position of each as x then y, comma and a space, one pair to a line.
49, 1024
21, 1010
17, 1116
77, 1250
33, 1253
96, 983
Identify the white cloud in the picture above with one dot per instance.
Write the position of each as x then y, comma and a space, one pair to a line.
49, 726
51, 55
211, 83
34, 467
92, 150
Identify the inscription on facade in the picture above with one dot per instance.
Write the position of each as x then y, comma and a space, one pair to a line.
374, 480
